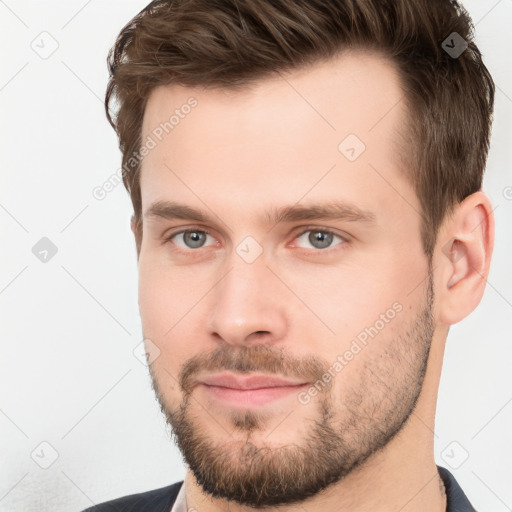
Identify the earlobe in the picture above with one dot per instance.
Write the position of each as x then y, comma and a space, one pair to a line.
464, 259
132, 224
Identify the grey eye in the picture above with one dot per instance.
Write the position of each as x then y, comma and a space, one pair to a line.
194, 239
320, 239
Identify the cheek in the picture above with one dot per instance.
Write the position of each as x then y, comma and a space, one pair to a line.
165, 294
166, 308
356, 305
157, 306
346, 298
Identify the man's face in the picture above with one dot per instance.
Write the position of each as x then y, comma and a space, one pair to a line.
338, 307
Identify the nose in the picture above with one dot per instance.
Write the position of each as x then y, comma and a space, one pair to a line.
248, 305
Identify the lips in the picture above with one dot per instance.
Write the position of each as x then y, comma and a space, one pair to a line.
229, 380
234, 391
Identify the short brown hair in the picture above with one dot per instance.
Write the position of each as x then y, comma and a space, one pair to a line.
232, 43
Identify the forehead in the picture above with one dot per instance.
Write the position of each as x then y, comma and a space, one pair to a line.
346, 93
332, 127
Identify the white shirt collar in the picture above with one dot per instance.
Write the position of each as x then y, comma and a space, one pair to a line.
180, 505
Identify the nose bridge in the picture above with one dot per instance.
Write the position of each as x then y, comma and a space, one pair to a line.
246, 301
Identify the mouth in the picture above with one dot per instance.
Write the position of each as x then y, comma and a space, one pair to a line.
245, 391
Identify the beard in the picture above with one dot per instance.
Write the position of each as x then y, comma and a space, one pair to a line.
246, 469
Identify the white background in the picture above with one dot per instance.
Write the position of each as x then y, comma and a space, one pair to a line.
68, 373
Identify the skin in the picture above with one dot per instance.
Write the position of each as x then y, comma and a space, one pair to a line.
275, 144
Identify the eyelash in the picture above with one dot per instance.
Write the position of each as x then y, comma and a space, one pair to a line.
327, 231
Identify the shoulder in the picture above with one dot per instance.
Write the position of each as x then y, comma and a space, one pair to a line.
157, 500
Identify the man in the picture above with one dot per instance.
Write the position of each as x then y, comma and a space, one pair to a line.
309, 221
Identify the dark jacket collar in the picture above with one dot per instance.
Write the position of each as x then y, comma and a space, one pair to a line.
456, 500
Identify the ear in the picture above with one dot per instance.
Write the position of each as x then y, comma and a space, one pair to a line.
133, 226
464, 250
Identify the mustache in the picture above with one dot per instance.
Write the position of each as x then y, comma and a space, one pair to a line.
258, 358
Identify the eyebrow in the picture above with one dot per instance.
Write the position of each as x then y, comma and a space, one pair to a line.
171, 210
